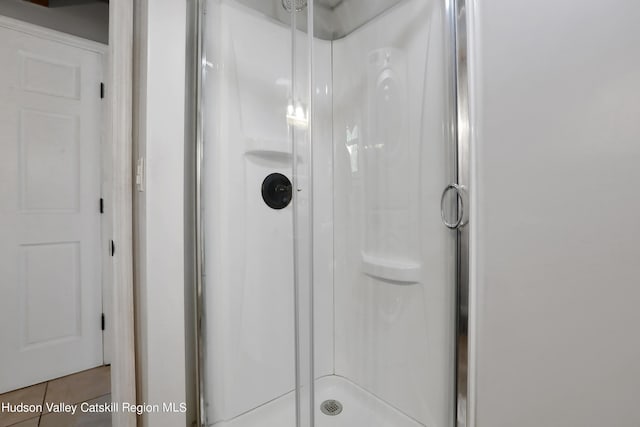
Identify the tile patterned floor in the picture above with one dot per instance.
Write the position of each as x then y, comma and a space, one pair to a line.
92, 386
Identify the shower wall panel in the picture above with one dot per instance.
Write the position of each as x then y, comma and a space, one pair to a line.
248, 246
394, 293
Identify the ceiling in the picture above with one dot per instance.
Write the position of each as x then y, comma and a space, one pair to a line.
64, 3
333, 19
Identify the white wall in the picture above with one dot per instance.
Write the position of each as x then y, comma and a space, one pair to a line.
555, 271
90, 20
160, 275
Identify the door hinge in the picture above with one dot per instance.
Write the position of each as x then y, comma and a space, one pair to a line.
101, 205
102, 321
113, 248
101, 90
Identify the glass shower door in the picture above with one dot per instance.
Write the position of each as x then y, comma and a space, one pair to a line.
301, 124
328, 277
250, 113
383, 276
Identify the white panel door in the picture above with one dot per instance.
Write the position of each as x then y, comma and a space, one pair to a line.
50, 184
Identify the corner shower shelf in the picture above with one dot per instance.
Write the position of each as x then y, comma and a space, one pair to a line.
269, 149
398, 272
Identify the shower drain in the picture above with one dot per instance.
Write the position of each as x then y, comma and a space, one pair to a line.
331, 407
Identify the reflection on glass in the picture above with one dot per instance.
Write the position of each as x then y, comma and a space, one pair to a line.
297, 114
353, 138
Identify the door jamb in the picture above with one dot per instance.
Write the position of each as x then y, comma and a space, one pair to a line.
120, 107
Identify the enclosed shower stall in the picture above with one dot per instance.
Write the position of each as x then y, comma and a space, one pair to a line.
328, 162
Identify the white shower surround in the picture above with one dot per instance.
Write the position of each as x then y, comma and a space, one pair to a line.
383, 336
249, 252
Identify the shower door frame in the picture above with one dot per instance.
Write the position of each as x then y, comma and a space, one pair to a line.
457, 17
195, 239
456, 21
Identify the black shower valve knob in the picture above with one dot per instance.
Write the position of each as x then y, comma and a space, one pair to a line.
276, 191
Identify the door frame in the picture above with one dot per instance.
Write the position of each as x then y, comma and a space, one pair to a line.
116, 155
120, 137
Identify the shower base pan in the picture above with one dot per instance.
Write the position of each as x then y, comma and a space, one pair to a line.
359, 409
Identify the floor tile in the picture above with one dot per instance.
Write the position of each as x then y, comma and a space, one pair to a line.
80, 387
33, 395
79, 419
32, 422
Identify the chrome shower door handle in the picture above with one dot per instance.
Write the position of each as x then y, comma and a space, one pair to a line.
461, 203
